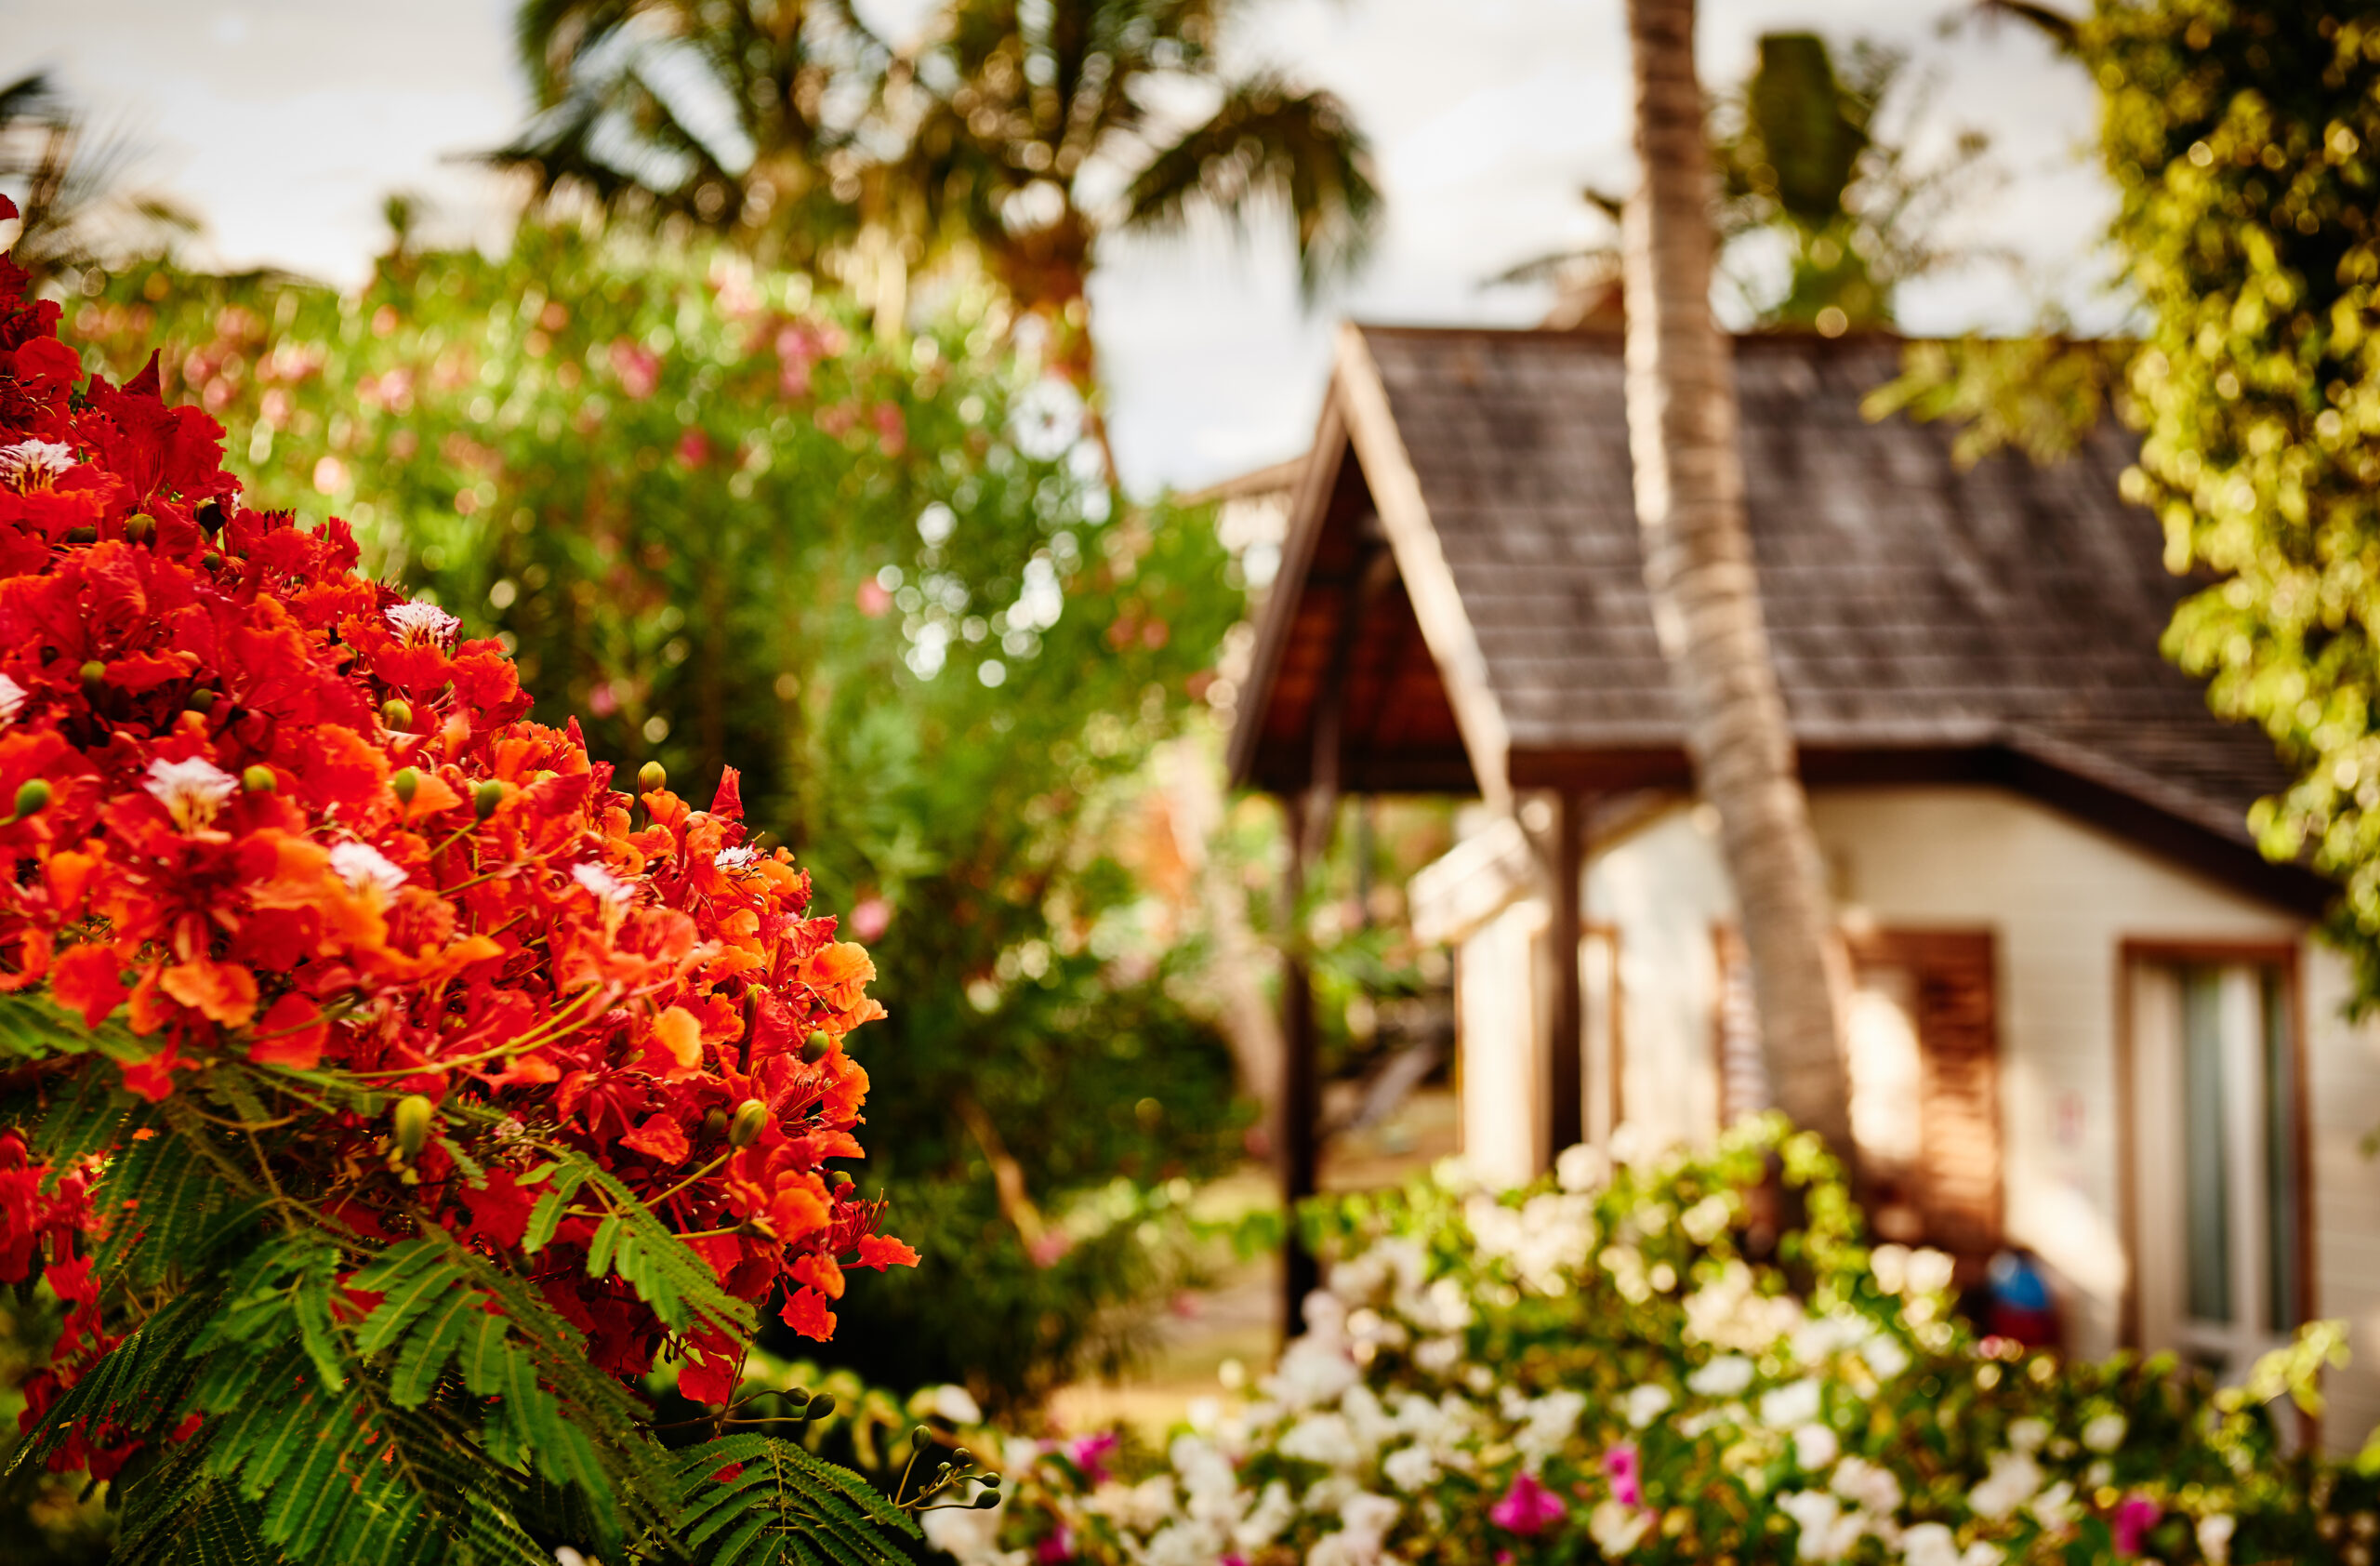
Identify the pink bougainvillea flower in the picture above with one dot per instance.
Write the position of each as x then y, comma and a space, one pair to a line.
1091, 1455
2136, 1515
1528, 1508
1625, 1467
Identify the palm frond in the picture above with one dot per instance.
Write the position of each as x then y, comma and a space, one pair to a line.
1269, 141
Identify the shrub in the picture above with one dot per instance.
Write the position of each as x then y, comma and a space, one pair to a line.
387, 1094
1652, 1368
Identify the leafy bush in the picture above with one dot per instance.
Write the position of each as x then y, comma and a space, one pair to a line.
1699, 1361
387, 1094
718, 518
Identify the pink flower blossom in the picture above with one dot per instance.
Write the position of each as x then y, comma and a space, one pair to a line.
873, 599
2136, 1515
638, 366
870, 918
1528, 1507
1091, 1453
1625, 1464
1058, 1547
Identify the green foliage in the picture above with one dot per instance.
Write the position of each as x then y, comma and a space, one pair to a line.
2241, 140
2244, 140
304, 1392
1808, 159
724, 525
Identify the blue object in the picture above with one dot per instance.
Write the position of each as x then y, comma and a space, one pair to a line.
2017, 1283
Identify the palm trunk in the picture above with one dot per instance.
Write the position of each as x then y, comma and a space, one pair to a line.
1698, 570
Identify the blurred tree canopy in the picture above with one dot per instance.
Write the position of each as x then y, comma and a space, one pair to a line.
1015, 134
2241, 138
1824, 209
728, 527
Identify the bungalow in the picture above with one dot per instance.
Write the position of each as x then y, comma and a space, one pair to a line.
2090, 1019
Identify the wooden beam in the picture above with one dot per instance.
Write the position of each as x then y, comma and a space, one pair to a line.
1429, 582
1308, 511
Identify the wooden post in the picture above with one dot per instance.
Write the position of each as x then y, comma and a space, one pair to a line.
1310, 820
1298, 1151
1567, 1090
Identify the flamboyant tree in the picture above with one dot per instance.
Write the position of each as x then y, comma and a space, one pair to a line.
388, 1096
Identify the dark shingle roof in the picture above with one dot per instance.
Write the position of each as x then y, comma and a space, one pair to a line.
1911, 605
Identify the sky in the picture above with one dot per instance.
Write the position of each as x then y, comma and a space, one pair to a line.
284, 124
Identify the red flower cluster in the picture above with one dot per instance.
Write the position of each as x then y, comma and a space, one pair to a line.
268, 809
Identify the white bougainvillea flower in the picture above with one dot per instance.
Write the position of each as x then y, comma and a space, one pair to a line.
2015, 1478
1617, 1529
422, 624
2105, 1433
1814, 1446
1722, 1377
192, 792
34, 464
12, 698
1643, 1404
360, 865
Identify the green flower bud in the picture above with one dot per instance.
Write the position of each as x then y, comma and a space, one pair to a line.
397, 714
715, 1125
95, 675
403, 784
652, 777
211, 561
820, 1406
744, 1128
838, 1179
259, 779
33, 798
139, 528
487, 796
984, 1502
412, 1124
200, 701
84, 535
815, 1048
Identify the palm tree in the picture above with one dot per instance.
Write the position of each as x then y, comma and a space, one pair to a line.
737, 115
75, 210
1808, 161
1029, 101
1681, 423
788, 124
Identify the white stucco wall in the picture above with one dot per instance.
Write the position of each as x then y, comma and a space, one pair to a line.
2342, 1095
2061, 898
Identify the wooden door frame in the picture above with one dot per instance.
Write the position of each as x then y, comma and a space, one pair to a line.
2288, 957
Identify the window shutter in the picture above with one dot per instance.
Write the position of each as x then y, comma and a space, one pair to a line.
1959, 1045
1952, 992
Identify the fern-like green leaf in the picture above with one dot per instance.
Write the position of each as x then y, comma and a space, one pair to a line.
760, 1501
